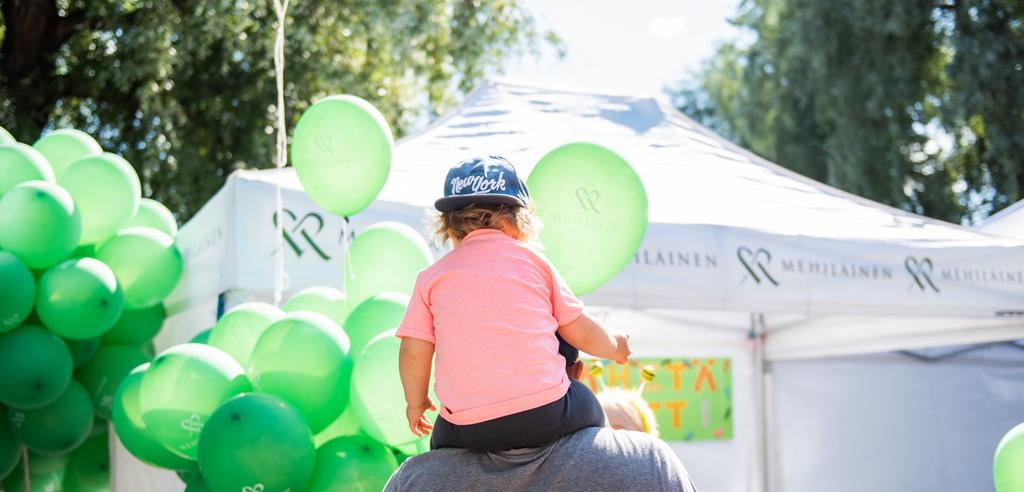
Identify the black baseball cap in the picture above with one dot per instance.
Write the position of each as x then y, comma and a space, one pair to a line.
482, 181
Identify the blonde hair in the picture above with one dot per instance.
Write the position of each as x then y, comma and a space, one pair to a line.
627, 410
515, 220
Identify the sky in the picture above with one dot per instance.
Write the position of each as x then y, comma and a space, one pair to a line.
633, 47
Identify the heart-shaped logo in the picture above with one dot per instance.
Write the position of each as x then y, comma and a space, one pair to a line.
17, 418
324, 143
588, 199
754, 262
193, 424
255, 488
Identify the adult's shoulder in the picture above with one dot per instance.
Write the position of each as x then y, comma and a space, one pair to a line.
593, 459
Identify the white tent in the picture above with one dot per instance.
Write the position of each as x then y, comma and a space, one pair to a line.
742, 259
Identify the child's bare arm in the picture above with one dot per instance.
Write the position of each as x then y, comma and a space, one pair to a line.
586, 334
414, 361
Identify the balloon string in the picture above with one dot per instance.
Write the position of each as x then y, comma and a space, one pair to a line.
24, 466
346, 241
281, 7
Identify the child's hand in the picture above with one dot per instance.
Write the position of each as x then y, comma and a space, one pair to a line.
622, 351
418, 423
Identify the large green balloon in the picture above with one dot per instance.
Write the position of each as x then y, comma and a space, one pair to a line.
374, 316
238, 330
136, 326
90, 464
35, 367
79, 299
17, 291
39, 224
202, 337
387, 256
20, 163
303, 359
131, 429
106, 190
146, 263
341, 150
154, 215
104, 373
352, 464
181, 388
65, 146
347, 424
40, 464
82, 351
197, 484
377, 395
256, 442
327, 301
6, 137
1008, 465
10, 448
58, 427
594, 209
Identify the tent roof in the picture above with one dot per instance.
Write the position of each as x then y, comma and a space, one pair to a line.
692, 175
1008, 222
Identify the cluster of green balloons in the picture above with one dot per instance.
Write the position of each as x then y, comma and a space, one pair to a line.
302, 397
85, 264
1008, 463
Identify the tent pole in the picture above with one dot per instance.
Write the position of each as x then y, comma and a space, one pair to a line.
756, 336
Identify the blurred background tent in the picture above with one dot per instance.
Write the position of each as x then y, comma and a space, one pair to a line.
809, 291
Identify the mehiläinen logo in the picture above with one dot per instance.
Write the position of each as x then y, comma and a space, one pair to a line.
304, 229
756, 262
920, 271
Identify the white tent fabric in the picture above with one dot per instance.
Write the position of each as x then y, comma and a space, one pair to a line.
1008, 222
742, 259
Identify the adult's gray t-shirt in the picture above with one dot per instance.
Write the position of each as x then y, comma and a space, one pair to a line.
592, 459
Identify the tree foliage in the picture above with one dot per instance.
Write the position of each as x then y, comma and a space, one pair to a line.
185, 90
914, 103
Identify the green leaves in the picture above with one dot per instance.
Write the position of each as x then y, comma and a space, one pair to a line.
916, 103
185, 89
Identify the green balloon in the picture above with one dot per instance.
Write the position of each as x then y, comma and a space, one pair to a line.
387, 256
256, 442
197, 484
347, 424
6, 137
58, 427
202, 337
377, 395
341, 150
38, 482
107, 190
65, 146
181, 388
41, 464
79, 299
303, 359
1008, 464
154, 215
132, 431
146, 263
104, 373
39, 224
82, 351
327, 301
136, 326
20, 163
352, 463
18, 288
36, 367
374, 316
237, 331
90, 464
10, 448
594, 210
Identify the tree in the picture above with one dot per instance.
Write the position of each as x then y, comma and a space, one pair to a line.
184, 89
901, 102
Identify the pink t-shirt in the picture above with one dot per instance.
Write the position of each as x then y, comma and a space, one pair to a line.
491, 308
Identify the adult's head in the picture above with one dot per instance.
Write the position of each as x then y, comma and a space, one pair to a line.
593, 459
627, 410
